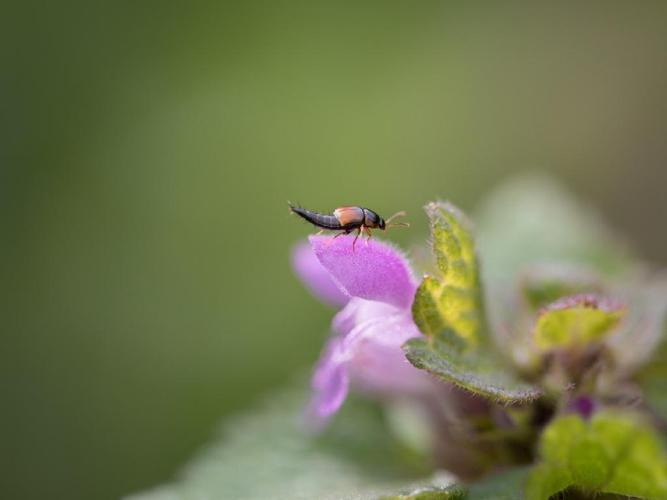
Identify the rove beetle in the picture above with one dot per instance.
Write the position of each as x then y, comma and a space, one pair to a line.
348, 219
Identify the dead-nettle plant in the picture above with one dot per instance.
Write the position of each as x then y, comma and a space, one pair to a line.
526, 362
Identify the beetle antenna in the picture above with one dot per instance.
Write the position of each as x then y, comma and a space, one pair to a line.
397, 224
397, 214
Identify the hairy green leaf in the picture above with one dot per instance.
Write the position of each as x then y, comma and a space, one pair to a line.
506, 485
446, 493
576, 321
451, 302
448, 310
474, 371
613, 453
268, 454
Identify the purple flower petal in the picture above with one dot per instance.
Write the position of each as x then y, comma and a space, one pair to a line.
378, 363
385, 371
367, 350
384, 324
330, 383
374, 271
358, 310
316, 278
371, 328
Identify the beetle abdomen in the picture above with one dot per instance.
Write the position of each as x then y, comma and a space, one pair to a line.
318, 219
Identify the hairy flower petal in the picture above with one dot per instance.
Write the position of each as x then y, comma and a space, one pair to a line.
330, 383
318, 280
373, 271
365, 351
379, 364
359, 310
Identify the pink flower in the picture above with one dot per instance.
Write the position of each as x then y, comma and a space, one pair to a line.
375, 287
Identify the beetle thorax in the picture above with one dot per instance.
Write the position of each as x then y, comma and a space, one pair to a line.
371, 219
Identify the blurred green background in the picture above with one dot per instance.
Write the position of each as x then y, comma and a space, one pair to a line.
147, 150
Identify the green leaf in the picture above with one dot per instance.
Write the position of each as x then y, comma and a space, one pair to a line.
268, 454
449, 312
643, 341
446, 493
507, 485
474, 371
576, 321
613, 453
535, 219
542, 284
545, 481
560, 436
653, 381
451, 303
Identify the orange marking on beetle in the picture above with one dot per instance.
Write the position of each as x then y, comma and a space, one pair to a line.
349, 215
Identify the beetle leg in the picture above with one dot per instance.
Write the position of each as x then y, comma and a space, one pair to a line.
321, 231
339, 234
369, 233
354, 242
